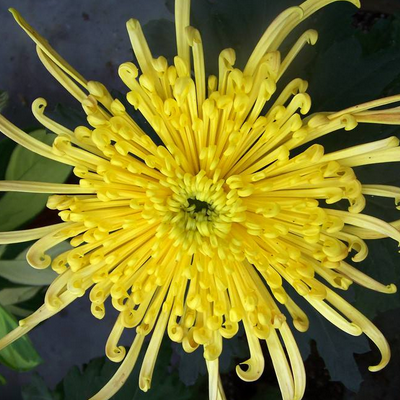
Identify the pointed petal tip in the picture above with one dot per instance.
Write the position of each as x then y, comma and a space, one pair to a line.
17, 16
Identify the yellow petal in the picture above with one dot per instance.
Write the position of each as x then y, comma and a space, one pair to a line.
182, 20
29, 142
47, 49
364, 280
149, 360
42, 187
213, 379
255, 364
123, 372
281, 366
296, 361
366, 325
30, 234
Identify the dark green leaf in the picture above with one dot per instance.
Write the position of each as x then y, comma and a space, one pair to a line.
19, 208
361, 78
82, 384
20, 355
36, 389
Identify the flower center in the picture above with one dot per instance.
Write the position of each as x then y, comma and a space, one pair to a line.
199, 206
196, 212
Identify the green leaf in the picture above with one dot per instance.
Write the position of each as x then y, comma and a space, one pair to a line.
2, 380
19, 208
21, 354
363, 81
36, 389
17, 295
81, 384
19, 271
17, 311
3, 100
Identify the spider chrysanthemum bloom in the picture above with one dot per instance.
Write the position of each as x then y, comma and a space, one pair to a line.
197, 235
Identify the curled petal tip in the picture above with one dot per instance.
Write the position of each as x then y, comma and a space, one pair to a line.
392, 288
300, 325
38, 261
385, 360
312, 37
145, 384
355, 330
254, 370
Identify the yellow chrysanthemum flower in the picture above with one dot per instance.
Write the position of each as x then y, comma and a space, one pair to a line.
196, 236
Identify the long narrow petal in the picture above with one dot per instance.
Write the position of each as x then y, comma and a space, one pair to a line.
213, 379
280, 28
296, 362
149, 360
382, 191
29, 142
364, 280
281, 366
30, 234
35, 319
123, 372
182, 20
367, 222
308, 37
47, 49
366, 325
43, 187
366, 106
65, 81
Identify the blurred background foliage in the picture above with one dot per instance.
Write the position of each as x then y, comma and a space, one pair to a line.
356, 59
